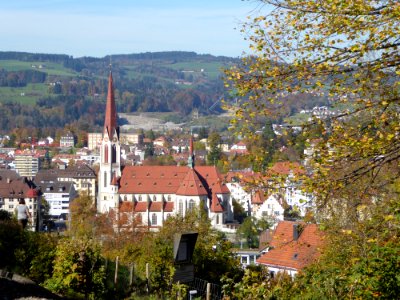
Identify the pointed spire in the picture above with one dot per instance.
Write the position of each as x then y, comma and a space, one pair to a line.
191, 155
110, 122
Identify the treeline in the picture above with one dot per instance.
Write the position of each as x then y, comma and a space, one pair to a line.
21, 78
51, 112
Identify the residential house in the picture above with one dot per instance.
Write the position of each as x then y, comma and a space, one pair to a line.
294, 246
14, 187
272, 207
239, 148
67, 140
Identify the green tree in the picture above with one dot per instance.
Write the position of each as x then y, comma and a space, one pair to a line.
348, 52
78, 269
250, 230
11, 239
214, 154
83, 217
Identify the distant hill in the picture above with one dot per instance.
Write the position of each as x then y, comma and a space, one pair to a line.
51, 90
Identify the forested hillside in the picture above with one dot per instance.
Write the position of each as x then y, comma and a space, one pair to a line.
48, 90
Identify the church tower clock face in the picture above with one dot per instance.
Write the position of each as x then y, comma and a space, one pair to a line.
106, 139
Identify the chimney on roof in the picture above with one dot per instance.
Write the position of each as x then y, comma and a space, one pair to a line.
296, 232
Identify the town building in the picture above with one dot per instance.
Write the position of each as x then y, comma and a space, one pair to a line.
67, 140
27, 163
58, 195
81, 176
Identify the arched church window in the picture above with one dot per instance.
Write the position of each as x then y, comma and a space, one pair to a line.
105, 179
191, 205
154, 219
106, 154
180, 207
113, 154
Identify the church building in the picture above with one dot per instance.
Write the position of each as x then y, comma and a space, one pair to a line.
151, 194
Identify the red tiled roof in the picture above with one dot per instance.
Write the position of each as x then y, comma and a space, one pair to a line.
151, 179
156, 206
294, 254
167, 179
126, 206
31, 193
258, 197
286, 167
191, 185
213, 178
216, 205
141, 207
169, 206
11, 187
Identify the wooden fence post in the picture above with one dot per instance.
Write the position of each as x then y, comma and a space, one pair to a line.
208, 292
130, 274
116, 271
148, 277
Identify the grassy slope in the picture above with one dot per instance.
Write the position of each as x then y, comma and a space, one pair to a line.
30, 93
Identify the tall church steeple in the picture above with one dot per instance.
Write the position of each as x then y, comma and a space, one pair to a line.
110, 156
110, 121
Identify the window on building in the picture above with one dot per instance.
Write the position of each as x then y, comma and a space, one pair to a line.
114, 154
11, 206
154, 219
180, 207
191, 205
106, 154
140, 197
217, 219
169, 197
105, 179
154, 198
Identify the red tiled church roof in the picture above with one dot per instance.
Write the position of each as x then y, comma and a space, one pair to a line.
141, 207
191, 185
169, 206
216, 206
168, 179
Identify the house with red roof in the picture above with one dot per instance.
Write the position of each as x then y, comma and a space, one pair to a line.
239, 148
14, 187
294, 246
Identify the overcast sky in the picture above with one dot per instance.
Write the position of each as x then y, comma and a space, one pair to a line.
98, 28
